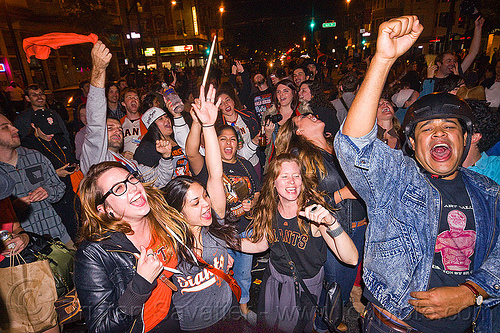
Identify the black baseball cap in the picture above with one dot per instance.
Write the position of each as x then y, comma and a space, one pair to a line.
44, 119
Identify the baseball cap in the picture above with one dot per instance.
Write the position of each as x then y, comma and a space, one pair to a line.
151, 115
401, 97
44, 119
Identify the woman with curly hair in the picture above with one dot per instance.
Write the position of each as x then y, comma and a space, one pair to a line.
130, 245
303, 136
312, 97
292, 214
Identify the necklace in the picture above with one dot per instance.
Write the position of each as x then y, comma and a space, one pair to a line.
50, 151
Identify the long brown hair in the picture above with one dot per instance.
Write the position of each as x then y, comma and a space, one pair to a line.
264, 213
310, 155
97, 225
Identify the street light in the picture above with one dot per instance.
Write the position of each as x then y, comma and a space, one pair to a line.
221, 9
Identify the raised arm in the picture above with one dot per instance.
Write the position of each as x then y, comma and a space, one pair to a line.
474, 45
95, 144
207, 111
193, 142
395, 37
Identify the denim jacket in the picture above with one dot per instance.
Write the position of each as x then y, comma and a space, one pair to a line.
404, 210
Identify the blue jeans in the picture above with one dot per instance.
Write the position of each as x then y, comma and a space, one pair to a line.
242, 269
344, 274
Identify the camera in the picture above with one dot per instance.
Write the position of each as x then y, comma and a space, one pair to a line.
275, 118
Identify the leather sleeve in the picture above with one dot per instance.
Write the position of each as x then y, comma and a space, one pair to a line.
111, 293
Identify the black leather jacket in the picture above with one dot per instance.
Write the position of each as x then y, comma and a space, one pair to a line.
111, 293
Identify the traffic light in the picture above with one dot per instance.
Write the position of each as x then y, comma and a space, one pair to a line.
207, 51
363, 41
312, 24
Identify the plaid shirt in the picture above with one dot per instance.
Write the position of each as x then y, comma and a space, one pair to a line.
33, 170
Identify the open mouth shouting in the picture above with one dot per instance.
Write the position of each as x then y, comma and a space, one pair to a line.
138, 200
441, 152
207, 215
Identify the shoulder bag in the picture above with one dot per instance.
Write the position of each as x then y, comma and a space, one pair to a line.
331, 313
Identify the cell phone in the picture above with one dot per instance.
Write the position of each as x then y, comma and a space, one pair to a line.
70, 168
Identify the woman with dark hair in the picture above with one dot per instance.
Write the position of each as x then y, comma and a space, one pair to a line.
242, 186
202, 302
312, 97
388, 124
303, 136
130, 245
285, 103
292, 212
148, 101
159, 125
243, 121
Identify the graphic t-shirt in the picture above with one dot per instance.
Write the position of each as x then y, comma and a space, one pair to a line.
262, 101
454, 253
158, 304
202, 298
237, 176
308, 252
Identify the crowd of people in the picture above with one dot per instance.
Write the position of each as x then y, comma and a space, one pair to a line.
387, 185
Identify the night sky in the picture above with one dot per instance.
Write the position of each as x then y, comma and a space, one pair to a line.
269, 24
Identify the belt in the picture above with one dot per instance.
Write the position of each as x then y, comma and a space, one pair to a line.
360, 223
391, 323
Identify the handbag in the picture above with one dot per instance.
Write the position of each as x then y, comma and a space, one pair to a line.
68, 308
332, 312
27, 296
60, 258
226, 277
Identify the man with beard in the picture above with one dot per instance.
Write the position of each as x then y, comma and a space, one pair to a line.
262, 99
133, 127
37, 185
104, 137
301, 74
36, 97
431, 252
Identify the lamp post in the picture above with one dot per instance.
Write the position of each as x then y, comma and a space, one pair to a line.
182, 28
220, 34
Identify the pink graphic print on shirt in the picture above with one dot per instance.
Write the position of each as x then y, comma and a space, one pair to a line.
457, 244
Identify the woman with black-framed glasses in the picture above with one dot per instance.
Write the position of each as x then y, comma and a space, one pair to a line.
128, 253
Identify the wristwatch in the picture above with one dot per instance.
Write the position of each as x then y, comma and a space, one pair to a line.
478, 298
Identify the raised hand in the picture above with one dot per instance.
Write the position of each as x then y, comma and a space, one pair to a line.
431, 70
479, 22
100, 55
206, 110
239, 66
396, 36
164, 148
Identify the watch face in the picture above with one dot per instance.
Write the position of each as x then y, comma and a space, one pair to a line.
479, 299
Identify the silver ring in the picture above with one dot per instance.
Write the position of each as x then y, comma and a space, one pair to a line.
209, 100
151, 254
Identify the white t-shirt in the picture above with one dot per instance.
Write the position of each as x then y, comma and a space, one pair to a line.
493, 95
131, 134
242, 128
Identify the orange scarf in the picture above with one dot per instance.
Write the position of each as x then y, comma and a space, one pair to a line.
40, 46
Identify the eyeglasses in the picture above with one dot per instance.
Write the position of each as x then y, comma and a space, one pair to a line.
121, 187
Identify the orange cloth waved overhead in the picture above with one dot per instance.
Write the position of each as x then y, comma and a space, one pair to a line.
40, 46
